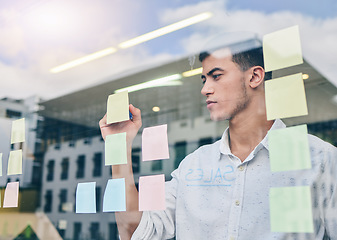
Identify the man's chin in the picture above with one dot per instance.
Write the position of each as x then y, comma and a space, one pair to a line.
219, 118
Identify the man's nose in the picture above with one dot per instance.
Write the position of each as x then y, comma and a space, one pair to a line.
207, 89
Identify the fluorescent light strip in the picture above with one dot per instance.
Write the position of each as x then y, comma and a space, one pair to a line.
160, 82
84, 59
192, 72
165, 30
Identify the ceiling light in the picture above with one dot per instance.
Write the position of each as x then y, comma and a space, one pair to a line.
171, 80
156, 109
192, 72
305, 76
165, 30
84, 59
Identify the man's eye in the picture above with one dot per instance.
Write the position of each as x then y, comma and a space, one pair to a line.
203, 81
216, 76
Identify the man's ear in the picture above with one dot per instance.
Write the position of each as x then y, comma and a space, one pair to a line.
257, 76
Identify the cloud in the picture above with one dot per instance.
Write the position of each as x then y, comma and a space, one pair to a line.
318, 36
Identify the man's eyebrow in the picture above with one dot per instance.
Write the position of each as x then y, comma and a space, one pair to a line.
213, 70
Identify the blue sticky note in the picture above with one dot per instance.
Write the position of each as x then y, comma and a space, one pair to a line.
86, 197
114, 196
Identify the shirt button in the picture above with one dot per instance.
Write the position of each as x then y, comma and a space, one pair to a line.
237, 202
241, 168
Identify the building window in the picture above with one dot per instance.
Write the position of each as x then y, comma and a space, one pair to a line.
98, 199
180, 152
50, 170
97, 170
204, 141
80, 166
64, 168
113, 231
63, 199
48, 201
157, 165
77, 231
94, 231
135, 160
13, 114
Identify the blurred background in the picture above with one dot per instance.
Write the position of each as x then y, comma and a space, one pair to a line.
60, 60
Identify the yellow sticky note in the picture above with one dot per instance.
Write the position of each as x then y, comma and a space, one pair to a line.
15, 162
285, 97
18, 131
118, 107
291, 209
282, 49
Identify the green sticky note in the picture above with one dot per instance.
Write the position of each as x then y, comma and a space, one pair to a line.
115, 149
289, 149
285, 97
282, 49
18, 131
118, 107
15, 162
0, 164
291, 209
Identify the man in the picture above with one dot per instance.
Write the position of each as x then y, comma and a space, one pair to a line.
221, 191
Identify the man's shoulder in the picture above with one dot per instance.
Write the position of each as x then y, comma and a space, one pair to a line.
320, 147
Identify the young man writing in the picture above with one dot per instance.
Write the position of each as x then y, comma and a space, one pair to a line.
221, 191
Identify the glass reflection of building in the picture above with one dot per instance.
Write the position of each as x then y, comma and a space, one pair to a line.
70, 149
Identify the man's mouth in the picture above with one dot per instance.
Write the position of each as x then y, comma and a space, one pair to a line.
210, 103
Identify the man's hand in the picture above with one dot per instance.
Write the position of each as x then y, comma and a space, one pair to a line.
131, 127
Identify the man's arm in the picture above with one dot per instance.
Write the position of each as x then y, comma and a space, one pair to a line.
127, 221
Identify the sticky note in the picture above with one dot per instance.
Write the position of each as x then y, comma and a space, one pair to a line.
115, 149
86, 197
0, 164
118, 107
152, 193
18, 131
289, 149
282, 49
11, 195
285, 97
155, 143
114, 196
62, 224
15, 162
291, 209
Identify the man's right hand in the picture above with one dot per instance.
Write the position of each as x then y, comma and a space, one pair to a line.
131, 127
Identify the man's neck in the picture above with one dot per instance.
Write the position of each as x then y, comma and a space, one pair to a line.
246, 131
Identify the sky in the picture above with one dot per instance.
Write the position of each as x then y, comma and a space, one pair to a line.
36, 35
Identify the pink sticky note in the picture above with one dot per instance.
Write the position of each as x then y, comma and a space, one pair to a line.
152, 193
155, 143
11, 195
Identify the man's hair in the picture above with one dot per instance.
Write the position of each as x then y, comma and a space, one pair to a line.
245, 60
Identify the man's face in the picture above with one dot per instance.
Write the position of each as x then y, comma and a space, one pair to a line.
224, 87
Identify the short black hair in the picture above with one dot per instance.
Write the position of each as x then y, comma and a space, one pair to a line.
245, 60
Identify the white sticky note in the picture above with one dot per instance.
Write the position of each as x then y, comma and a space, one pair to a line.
18, 131
285, 97
15, 162
155, 143
118, 107
11, 198
282, 49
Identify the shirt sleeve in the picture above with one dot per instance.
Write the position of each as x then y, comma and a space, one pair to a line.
160, 224
330, 201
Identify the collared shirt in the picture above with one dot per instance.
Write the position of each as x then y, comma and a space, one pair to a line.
213, 195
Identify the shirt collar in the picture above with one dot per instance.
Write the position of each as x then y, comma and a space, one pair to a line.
224, 144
